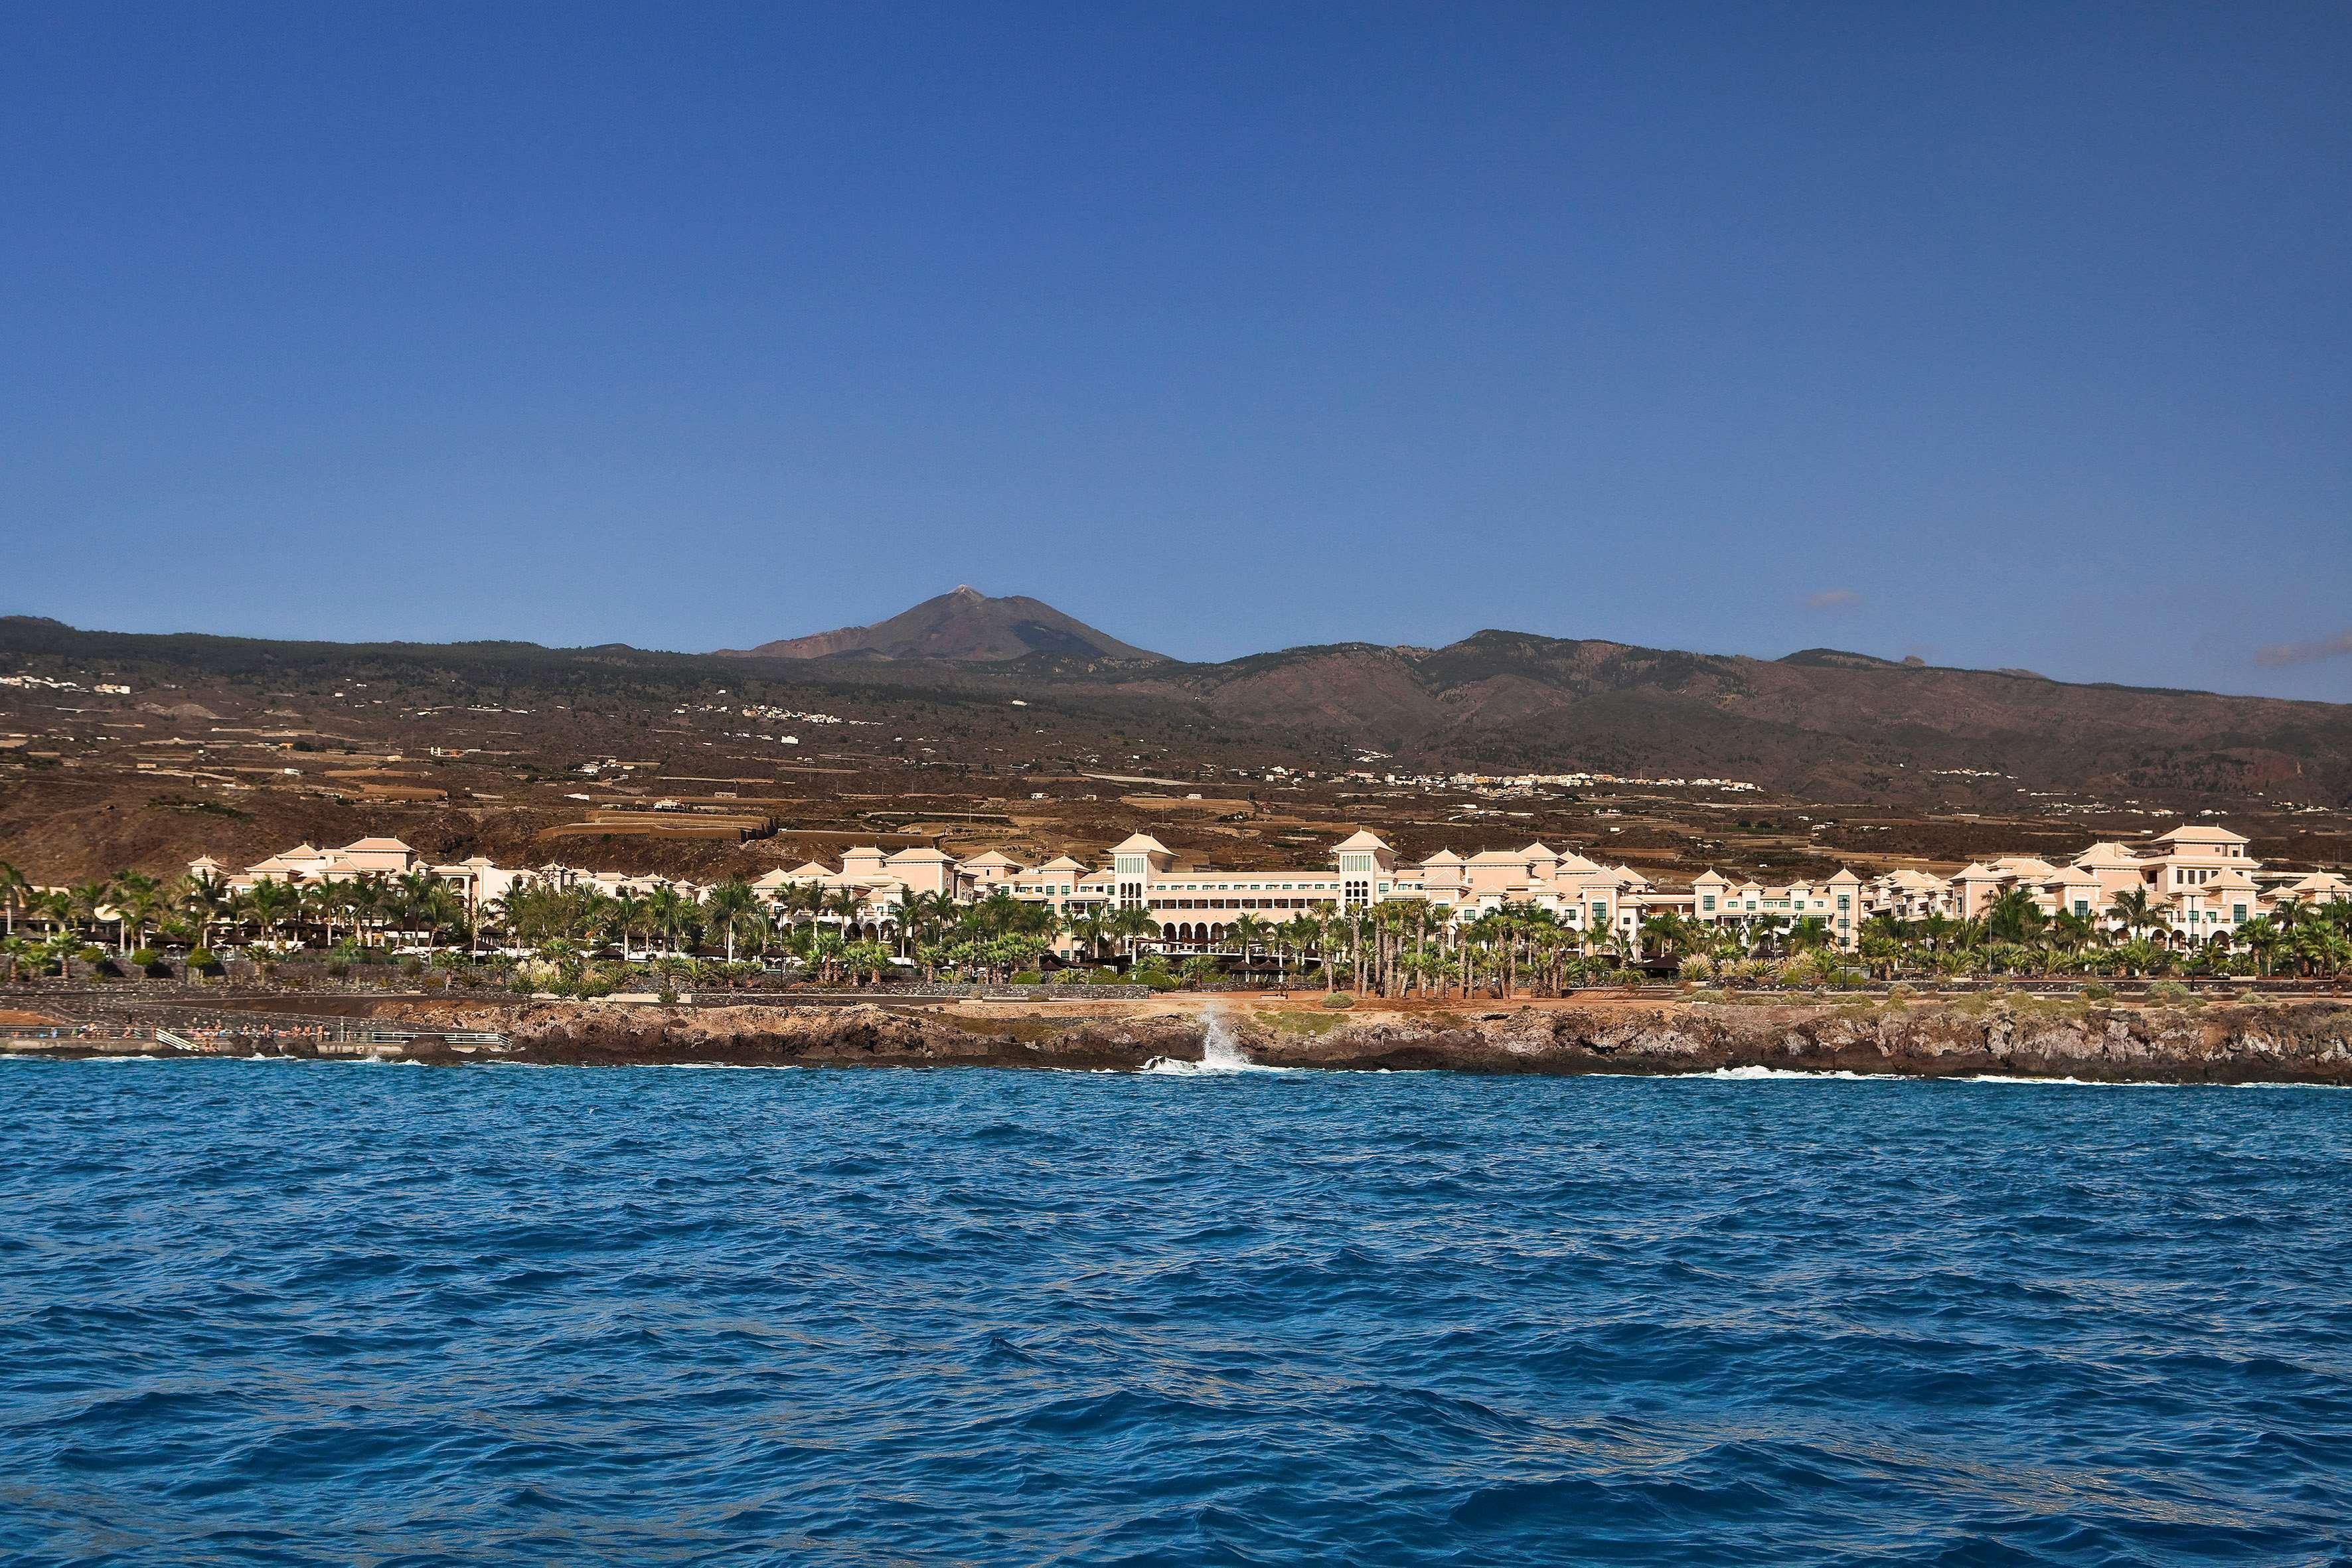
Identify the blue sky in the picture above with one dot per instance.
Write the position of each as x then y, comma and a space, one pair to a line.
2006, 335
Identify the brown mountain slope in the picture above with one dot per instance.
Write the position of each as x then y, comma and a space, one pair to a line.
1822, 724
1814, 720
963, 625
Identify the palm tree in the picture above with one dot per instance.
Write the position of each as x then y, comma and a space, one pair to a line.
1880, 948
2016, 917
1666, 934
2132, 911
204, 899
2262, 938
1089, 932
269, 904
730, 904
627, 910
843, 906
668, 911
1133, 924
85, 900
1247, 932
438, 908
138, 903
920, 920
314, 903
2071, 932
16, 893
1810, 935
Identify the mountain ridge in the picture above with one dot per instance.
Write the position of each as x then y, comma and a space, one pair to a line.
1820, 721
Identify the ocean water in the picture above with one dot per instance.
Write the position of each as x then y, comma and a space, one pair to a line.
307, 1313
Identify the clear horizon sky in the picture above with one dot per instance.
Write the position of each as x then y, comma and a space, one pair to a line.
2007, 335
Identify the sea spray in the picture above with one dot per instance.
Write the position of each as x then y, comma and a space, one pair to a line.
1220, 1052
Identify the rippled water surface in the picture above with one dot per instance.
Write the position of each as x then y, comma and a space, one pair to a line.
327, 1313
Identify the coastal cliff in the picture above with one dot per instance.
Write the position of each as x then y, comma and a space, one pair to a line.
2307, 1042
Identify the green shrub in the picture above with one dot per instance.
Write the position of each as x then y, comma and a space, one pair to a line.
1163, 981
1029, 977
2171, 992
2094, 991
202, 962
1104, 977
1340, 999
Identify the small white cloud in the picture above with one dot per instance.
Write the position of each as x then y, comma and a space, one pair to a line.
2310, 652
1833, 599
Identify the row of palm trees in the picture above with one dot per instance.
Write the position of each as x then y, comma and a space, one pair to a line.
2133, 938
1399, 947
129, 909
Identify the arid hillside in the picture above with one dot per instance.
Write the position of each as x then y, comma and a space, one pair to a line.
121, 751
1820, 722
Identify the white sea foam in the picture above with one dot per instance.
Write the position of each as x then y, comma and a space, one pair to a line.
1220, 1054
1758, 1074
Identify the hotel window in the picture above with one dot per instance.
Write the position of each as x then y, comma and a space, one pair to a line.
1845, 902
2237, 912
2081, 906
1707, 903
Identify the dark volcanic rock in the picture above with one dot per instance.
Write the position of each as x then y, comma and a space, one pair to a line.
600, 1034
2304, 1042
2307, 1043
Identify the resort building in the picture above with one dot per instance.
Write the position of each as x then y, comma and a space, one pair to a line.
2198, 883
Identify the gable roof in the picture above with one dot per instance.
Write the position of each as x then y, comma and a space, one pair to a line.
1360, 839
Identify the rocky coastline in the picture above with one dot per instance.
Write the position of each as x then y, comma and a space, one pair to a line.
2279, 1041
2308, 1042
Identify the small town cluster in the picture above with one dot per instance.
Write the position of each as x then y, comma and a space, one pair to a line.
2190, 887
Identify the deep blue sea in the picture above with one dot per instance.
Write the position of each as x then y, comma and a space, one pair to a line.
304, 1313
